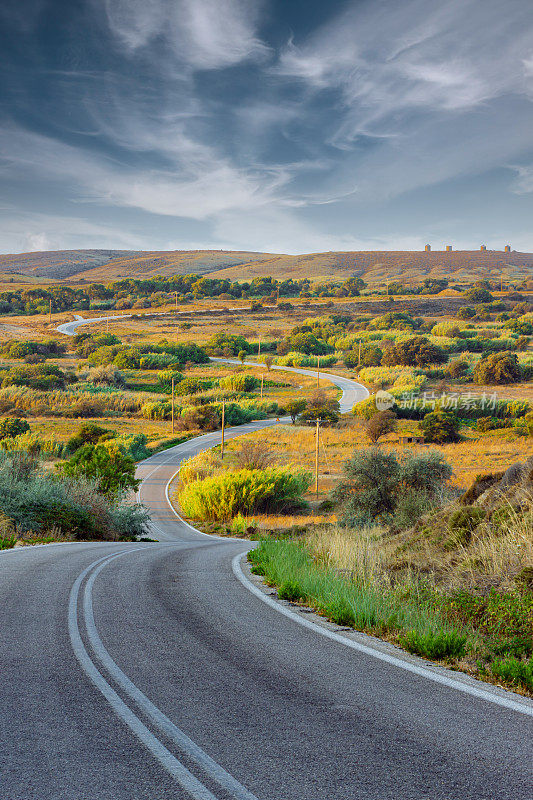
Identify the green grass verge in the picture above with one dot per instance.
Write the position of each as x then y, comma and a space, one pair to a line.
490, 637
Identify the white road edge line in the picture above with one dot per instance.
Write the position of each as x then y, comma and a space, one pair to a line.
181, 775
415, 669
165, 725
445, 680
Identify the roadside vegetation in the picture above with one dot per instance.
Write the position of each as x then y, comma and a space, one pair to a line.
427, 544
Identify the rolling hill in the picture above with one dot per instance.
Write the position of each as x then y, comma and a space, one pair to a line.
79, 266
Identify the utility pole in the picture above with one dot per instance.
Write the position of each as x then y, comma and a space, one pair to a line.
317, 445
318, 373
172, 405
223, 426
176, 300
262, 378
50, 312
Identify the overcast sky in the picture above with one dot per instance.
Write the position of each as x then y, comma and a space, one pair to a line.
274, 125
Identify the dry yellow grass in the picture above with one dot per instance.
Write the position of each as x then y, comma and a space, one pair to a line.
480, 453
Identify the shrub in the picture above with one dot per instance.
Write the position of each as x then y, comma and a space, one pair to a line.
466, 312
456, 368
37, 502
254, 455
224, 344
400, 321
366, 408
103, 356
39, 376
449, 329
478, 295
223, 496
380, 424
439, 427
164, 380
106, 376
156, 409
415, 352
192, 386
109, 465
13, 426
200, 466
425, 472
88, 433
521, 326
371, 486
204, 417
239, 383
375, 481
497, 368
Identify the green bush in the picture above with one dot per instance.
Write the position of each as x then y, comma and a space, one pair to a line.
239, 383
478, 295
497, 368
375, 482
45, 377
164, 380
157, 409
415, 352
108, 465
223, 496
87, 433
13, 426
439, 427
38, 501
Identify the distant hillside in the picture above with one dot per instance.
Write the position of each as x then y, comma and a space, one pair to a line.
374, 267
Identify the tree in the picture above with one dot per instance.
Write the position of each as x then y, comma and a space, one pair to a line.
439, 427
11, 427
415, 352
295, 407
242, 356
380, 424
497, 368
319, 406
478, 295
108, 464
268, 360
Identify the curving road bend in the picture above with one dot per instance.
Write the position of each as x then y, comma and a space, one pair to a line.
149, 672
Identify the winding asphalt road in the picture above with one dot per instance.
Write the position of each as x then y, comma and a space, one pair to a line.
153, 672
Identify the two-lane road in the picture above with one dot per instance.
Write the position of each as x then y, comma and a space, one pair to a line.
149, 672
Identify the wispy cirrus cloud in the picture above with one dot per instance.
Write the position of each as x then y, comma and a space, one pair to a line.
419, 55
203, 34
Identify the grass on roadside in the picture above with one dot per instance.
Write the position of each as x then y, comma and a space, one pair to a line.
488, 636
